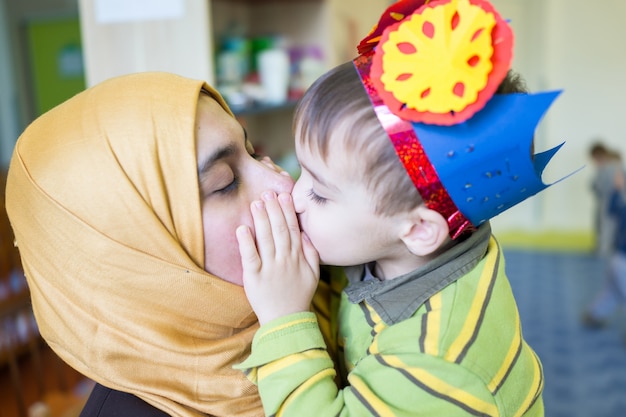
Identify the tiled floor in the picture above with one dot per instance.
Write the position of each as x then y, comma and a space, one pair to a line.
585, 370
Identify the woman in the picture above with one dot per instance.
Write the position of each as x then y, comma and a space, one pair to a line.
124, 202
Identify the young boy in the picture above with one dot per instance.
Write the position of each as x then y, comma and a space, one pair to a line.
427, 324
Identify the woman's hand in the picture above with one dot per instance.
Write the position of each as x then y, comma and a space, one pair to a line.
280, 265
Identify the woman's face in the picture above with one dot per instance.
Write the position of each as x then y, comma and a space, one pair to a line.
230, 179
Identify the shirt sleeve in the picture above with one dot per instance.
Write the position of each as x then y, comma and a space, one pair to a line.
295, 376
289, 358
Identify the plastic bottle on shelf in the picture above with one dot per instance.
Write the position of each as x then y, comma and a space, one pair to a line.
311, 66
233, 65
274, 74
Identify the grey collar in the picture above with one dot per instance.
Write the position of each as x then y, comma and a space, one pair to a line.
399, 298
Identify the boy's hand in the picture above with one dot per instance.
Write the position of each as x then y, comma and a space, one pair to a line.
270, 164
280, 271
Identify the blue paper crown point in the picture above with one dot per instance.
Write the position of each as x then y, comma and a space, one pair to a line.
470, 160
486, 163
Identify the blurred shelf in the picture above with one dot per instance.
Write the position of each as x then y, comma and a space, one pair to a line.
14, 303
270, 1
256, 109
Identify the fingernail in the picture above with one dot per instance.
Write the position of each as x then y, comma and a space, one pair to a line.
284, 197
258, 204
269, 195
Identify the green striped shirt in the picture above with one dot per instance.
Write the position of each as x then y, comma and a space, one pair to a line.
460, 353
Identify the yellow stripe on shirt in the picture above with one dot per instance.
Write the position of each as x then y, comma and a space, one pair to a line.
368, 398
474, 317
509, 360
440, 388
535, 388
430, 332
373, 319
288, 325
267, 370
302, 389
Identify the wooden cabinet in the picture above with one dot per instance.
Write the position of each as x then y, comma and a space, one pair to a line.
183, 40
18, 330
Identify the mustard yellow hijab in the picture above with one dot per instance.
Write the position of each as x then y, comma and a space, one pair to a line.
103, 197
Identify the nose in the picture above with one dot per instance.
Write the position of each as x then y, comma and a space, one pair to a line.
269, 179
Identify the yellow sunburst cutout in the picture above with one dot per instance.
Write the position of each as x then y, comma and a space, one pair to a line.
438, 61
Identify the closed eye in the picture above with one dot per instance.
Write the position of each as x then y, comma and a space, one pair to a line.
234, 184
317, 199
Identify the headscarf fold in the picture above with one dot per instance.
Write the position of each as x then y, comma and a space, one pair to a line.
103, 198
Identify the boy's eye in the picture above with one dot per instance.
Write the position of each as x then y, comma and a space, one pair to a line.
317, 199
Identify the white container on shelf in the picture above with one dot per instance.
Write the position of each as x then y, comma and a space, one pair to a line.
274, 73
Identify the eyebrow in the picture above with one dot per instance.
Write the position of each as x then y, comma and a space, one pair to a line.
221, 153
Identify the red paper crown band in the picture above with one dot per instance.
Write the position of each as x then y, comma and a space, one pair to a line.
412, 155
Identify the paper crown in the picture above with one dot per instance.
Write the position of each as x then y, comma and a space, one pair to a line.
431, 69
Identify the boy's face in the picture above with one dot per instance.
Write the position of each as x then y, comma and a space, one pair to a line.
337, 211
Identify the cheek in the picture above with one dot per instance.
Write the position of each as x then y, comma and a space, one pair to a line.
329, 231
341, 237
221, 251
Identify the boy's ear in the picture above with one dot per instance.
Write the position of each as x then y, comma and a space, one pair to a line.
425, 232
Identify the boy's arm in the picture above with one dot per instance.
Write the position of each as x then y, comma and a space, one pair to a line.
296, 378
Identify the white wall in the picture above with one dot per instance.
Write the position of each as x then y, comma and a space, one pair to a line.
576, 46
573, 45
127, 44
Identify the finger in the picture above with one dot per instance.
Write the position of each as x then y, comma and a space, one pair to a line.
280, 231
250, 260
262, 230
266, 160
289, 212
310, 254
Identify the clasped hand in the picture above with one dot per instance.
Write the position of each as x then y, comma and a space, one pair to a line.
280, 265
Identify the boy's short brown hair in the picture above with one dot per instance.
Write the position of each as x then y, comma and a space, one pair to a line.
337, 107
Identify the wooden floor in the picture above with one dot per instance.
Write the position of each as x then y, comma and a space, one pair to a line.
43, 377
